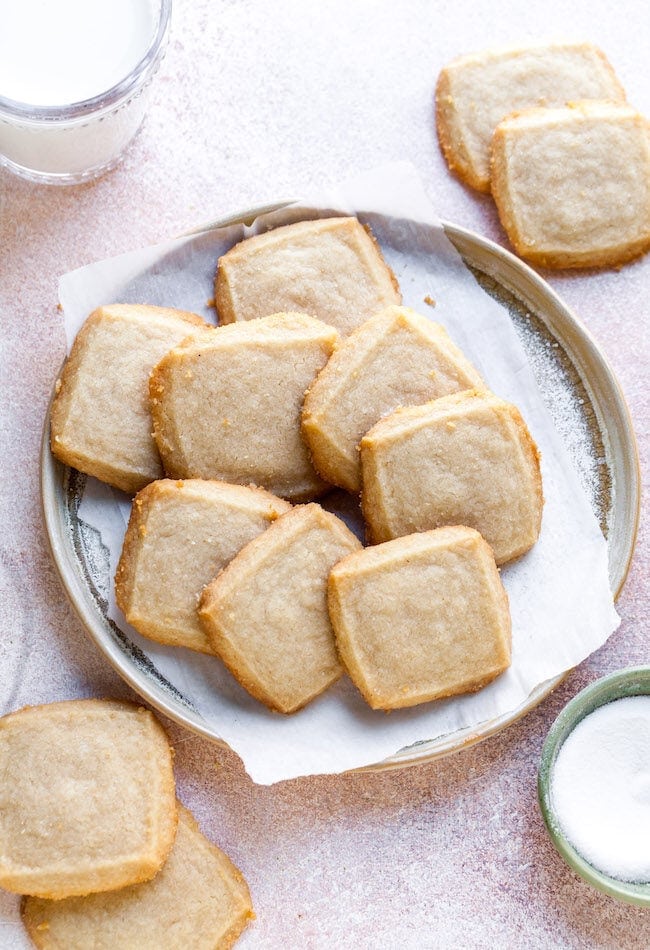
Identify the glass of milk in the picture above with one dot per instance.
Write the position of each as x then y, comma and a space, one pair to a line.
74, 82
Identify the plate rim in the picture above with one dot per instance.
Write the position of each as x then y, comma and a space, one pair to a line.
516, 271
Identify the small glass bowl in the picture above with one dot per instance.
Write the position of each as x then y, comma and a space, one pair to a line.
633, 681
70, 144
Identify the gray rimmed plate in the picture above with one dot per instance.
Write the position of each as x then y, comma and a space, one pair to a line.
588, 410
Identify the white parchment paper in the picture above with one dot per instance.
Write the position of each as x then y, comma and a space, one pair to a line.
561, 604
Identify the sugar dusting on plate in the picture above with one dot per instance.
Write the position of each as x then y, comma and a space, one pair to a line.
566, 398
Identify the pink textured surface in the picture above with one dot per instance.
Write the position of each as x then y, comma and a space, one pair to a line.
255, 102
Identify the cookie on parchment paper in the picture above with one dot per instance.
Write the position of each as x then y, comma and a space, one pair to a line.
421, 618
180, 535
397, 358
227, 404
100, 418
266, 613
331, 269
463, 459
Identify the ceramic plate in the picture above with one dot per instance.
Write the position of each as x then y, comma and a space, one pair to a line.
588, 410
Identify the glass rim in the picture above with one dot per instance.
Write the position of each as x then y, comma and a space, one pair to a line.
25, 111
621, 684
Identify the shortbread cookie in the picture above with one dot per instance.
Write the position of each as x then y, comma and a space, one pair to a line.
180, 535
266, 613
462, 459
331, 269
572, 185
475, 92
227, 405
100, 419
420, 618
199, 900
397, 358
87, 798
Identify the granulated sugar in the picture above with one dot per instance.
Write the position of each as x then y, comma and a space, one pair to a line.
600, 788
567, 400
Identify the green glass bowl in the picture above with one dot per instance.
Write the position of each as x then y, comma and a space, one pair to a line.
634, 681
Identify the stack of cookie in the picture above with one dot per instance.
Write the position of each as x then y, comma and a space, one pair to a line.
548, 131
92, 833
318, 378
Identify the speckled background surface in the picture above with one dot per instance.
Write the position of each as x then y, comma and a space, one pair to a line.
257, 101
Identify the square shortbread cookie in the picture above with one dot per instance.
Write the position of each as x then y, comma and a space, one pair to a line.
100, 419
180, 535
421, 618
331, 269
266, 613
465, 459
199, 900
397, 358
87, 798
572, 185
475, 92
227, 404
